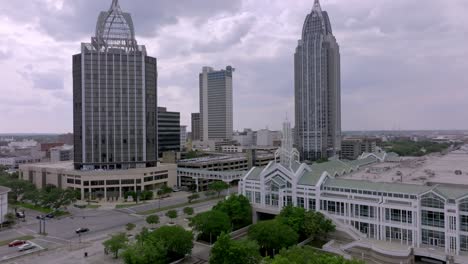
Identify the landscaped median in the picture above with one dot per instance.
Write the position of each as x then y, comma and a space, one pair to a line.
153, 211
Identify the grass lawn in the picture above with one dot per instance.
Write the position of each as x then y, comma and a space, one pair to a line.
153, 211
6, 242
41, 209
33, 207
93, 206
120, 206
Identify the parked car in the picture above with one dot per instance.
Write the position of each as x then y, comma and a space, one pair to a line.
50, 215
20, 215
82, 230
17, 243
26, 246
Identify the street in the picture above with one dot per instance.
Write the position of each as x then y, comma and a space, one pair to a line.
65, 246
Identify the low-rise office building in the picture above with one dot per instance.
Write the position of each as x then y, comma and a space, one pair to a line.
99, 184
62, 153
408, 220
3, 203
221, 163
352, 148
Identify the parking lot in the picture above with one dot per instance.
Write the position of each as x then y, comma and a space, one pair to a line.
13, 252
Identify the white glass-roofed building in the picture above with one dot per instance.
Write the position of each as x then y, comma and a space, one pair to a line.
409, 219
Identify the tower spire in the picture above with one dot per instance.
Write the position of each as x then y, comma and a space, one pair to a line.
317, 5
115, 5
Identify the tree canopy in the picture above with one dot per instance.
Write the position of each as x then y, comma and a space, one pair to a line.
239, 210
308, 255
211, 224
175, 239
152, 219
228, 251
218, 187
165, 245
272, 235
116, 243
305, 223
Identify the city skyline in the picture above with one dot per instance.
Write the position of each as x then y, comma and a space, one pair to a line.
391, 73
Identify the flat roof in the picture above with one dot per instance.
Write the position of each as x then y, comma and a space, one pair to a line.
427, 170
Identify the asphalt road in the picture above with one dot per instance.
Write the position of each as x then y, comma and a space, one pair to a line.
102, 223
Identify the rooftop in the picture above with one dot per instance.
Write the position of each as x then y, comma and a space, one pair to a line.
449, 169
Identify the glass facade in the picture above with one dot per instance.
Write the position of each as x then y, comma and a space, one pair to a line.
115, 98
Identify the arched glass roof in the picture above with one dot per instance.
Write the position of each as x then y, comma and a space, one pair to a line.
115, 29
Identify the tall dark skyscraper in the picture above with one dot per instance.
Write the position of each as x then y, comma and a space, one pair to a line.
317, 88
195, 126
114, 98
168, 131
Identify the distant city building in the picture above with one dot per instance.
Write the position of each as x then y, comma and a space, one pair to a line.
246, 138
114, 98
212, 145
66, 139
216, 104
14, 162
168, 131
352, 148
183, 137
62, 153
232, 149
267, 137
3, 203
196, 126
317, 88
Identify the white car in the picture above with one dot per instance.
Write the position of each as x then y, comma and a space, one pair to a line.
26, 246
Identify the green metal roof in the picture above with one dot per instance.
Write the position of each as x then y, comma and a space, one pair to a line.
377, 186
363, 162
255, 174
309, 178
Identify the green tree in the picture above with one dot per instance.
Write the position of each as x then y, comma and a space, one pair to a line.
176, 240
116, 243
272, 236
308, 255
172, 214
218, 187
316, 225
193, 197
152, 219
211, 224
147, 195
130, 226
56, 198
239, 210
10, 218
166, 190
18, 188
228, 251
293, 217
147, 252
188, 211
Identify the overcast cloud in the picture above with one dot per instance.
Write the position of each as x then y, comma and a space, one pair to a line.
404, 62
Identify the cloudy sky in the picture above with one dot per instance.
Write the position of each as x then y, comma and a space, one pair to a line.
404, 62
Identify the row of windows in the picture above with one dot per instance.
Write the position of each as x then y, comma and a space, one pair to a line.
111, 182
395, 195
